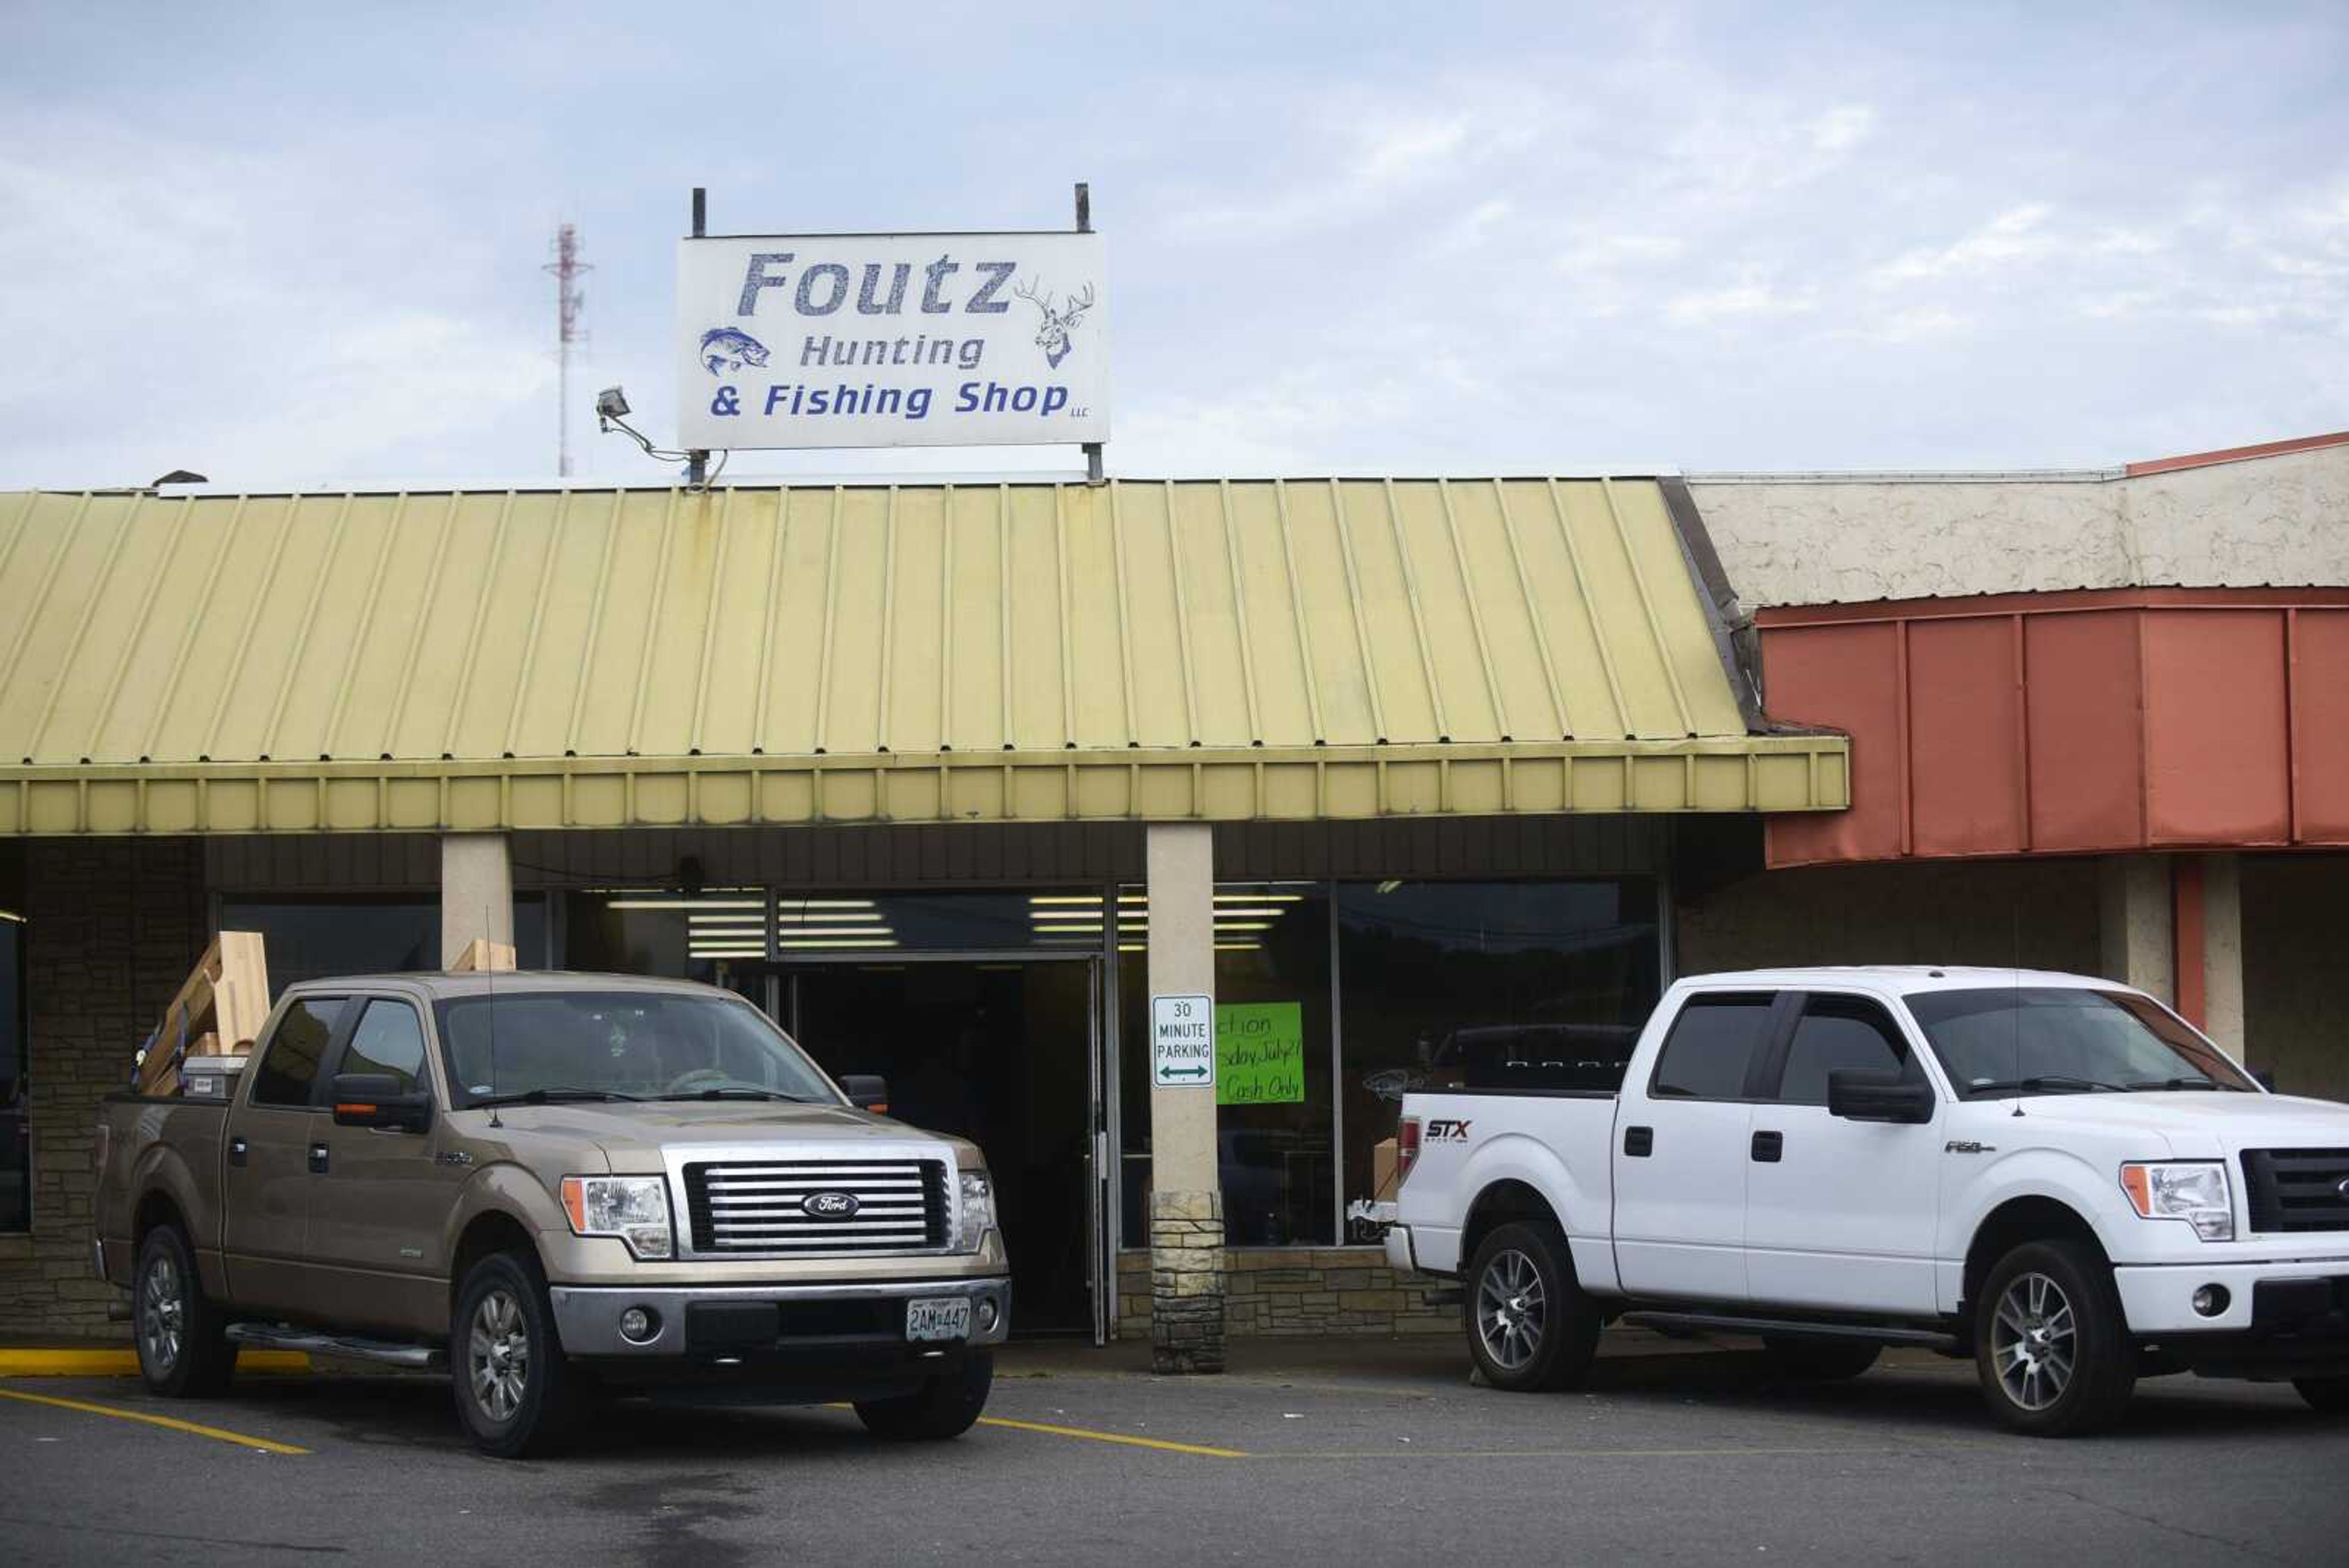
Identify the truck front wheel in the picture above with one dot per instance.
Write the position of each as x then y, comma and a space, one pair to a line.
1530, 1327
515, 1392
944, 1407
2051, 1345
184, 1345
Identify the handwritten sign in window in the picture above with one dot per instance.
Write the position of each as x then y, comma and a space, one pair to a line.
1259, 1054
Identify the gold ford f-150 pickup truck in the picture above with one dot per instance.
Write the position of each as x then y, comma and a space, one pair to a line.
561, 1187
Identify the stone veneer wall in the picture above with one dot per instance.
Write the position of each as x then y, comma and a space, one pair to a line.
1300, 1290
113, 926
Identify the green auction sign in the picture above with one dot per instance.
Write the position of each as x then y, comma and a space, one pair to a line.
1260, 1053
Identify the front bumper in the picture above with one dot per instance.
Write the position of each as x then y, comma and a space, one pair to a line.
861, 1321
2301, 1297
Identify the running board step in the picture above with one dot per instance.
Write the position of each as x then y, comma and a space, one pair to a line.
383, 1352
1791, 1328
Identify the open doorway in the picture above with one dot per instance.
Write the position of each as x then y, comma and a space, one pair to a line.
1000, 1053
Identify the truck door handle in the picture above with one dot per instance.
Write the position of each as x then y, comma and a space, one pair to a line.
236, 1151
1639, 1142
318, 1159
1769, 1146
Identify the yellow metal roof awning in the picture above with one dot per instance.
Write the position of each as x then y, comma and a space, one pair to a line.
755, 654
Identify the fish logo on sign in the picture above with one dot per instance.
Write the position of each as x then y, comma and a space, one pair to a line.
1052, 337
725, 348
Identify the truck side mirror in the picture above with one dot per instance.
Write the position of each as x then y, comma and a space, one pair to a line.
867, 1091
379, 1100
1878, 1098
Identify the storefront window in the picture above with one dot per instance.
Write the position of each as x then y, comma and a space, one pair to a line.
1491, 985
16, 1129
1273, 1081
705, 936
316, 938
313, 939
937, 922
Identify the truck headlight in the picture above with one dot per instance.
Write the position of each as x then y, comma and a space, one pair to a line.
2193, 1190
978, 1216
632, 1208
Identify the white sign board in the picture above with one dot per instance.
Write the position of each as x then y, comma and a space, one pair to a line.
877, 340
1182, 1042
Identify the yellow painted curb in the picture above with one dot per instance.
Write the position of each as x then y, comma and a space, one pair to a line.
98, 1362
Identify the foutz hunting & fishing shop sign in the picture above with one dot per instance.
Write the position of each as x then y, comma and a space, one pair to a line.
876, 340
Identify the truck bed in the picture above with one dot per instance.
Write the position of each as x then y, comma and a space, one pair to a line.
1559, 1142
176, 1137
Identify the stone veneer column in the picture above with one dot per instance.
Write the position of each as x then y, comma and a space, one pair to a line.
476, 891
2135, 923
1187, 1208
2222, 952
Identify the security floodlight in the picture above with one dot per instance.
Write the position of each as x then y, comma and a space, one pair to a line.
611, 414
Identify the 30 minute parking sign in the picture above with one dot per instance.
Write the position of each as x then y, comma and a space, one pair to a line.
1182, 1042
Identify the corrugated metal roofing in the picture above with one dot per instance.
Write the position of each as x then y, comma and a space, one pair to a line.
831, 644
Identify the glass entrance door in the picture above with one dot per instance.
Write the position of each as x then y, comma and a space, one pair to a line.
1004, 1052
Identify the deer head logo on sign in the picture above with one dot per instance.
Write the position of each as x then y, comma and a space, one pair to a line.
1052, 337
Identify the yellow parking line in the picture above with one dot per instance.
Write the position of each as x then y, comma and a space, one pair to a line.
111, 1363
239, 1439
1093, 1436
1728, 1451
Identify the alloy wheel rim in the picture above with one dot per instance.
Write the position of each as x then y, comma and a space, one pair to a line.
2035, 1340
1512, 1310
498, 1355
162, 1315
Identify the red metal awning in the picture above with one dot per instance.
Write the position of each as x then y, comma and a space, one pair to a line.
2071, 722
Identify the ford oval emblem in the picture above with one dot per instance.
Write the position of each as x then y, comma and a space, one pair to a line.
829, 1205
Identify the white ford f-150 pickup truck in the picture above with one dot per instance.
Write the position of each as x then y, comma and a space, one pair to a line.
2054, 1175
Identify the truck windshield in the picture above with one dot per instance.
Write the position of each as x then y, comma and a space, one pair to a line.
620, 1045
2059, 1040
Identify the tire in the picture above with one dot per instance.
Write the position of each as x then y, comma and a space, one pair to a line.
184, 1350
1822, 1360
944, 1407
2329, 1395
2041, 1301
516, 1394
1530, 1328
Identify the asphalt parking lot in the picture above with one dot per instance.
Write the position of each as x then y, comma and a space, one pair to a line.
1369, 1454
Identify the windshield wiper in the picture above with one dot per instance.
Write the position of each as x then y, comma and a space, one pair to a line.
737, 1092
2192, 1081
2044, 1084
550, 1095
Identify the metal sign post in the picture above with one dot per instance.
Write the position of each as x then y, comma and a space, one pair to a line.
697, 460
1093, 470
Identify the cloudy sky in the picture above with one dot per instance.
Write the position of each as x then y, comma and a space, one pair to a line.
301, 244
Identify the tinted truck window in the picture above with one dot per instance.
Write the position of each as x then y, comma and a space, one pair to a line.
1714, 1044
1840, 1034
389, 1039
290, 1066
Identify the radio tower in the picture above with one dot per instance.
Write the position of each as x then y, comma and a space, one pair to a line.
566, 267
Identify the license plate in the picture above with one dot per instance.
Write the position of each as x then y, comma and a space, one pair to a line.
938, 1317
